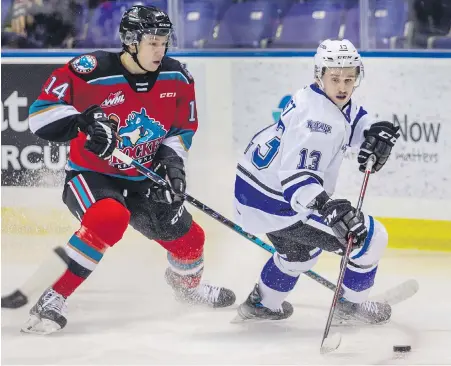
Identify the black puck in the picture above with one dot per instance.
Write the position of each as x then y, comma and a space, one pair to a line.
402, 348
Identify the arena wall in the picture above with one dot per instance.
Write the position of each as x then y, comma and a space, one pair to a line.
238, 94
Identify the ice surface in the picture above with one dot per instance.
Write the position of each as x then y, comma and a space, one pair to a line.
125, 314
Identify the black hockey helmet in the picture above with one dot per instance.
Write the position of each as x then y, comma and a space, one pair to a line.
140, 20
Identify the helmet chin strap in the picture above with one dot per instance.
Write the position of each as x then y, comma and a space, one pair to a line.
135, 57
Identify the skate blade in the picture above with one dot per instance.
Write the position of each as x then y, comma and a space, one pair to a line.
36, 325
240, 320
351, 321
330, 343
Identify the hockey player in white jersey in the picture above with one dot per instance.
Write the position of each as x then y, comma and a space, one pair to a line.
284, 186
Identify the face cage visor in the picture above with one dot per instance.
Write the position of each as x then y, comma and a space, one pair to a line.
135, 36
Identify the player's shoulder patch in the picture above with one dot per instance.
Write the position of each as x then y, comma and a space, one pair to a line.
170, 64
95, 65
84, 64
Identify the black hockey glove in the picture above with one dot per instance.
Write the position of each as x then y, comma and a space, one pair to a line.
379, 140
341, 217
168, 165
101, 132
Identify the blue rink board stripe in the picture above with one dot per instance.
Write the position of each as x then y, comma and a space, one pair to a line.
241, 53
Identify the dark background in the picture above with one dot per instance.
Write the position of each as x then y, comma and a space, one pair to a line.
26, 80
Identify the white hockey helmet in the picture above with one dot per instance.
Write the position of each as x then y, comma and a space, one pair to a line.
337, 53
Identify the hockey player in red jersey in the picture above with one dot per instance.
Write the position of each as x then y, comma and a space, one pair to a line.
142, 102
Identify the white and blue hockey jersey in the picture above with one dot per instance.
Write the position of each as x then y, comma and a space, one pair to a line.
286, 165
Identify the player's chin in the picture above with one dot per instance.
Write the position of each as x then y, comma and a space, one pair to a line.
341, 100
153, 66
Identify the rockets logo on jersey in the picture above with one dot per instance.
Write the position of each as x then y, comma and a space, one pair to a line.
84, 64
139, 138
113, 99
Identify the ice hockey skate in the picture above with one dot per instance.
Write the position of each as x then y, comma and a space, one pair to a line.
368, 312
48, 315
203, 294
253, 310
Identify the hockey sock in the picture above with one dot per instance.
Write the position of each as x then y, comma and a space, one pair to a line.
275, 283
279, 276
102, 226
185, 256
85, 250
358, 281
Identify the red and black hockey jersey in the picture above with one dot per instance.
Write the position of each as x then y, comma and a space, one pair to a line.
151, 109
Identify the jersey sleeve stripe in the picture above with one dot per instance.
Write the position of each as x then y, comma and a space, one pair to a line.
256, 181
40, 106
288, 193
302, 174
185, 136
259, 186
175, 143
247, 195
51, 114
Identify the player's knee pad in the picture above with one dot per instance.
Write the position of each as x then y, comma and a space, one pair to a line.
295, 268
187, 247
107, 219
374, 246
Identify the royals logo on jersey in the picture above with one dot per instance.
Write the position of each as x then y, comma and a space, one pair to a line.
139, 138
317, 126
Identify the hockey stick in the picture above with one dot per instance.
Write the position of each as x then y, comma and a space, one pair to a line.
392, 296
46, 272
329, 344
49, 270
212, 213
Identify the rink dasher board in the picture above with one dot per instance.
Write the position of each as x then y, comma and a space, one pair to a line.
410, 194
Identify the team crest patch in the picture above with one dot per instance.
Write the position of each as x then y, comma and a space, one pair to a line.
84, 64
317, 126
139, 138
140, 129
